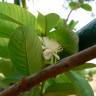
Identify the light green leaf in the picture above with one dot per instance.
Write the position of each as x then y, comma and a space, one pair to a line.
67, 38
41, 24
82, 86
62, 78
85, 66
4, 52
72, 24
16, 13
47, 22
86, 7
7, 18
74, 5
25, 50
51, 21
7, 28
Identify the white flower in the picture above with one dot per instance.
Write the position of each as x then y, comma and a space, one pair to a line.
51, 48
47, 53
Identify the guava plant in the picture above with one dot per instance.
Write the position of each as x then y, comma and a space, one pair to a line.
28, 44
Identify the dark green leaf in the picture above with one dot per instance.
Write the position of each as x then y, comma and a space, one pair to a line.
34, 92
82, 86
8, 70
60, 89
86, 7
4, 52
25, 50
74, 5
67, 38
81, 1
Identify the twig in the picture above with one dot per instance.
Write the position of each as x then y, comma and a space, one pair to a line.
62, 66
68, 16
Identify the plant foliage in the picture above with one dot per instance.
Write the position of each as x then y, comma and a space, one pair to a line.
28, 43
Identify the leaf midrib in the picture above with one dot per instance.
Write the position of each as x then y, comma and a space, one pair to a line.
27, 65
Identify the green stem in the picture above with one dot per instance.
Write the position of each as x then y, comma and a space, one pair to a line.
42, 86
24, 3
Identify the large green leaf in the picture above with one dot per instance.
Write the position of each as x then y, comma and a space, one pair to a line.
67, 38
82, 86
7, 28
25, 50
7, 18
60, 89
46, 22
16, 13
4, 52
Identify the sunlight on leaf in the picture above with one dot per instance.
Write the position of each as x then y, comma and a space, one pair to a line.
25, 50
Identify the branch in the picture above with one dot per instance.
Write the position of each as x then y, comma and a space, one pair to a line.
62, 66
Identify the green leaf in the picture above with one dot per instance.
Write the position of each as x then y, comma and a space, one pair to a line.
7, 18
8, 71
4, 52
47, 22
72, 24
34, 92
7, 28
74, 5
60, 23
86, 7
82, 86
81, 1
7, 68
41, 24
16, 13
62, 78
60, 89
85, 66
25, 50
67, 38
51, 21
